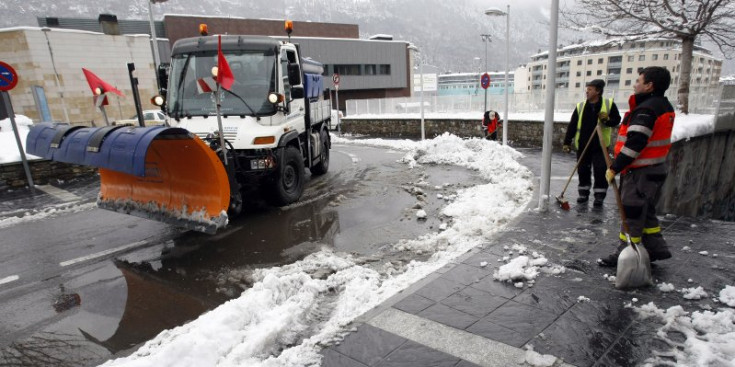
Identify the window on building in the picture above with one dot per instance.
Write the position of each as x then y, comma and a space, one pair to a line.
589, 61
589, 72
371, 69
639, 70
347, 69
600, 60
599, 72
631, 58
579, 73
629, 71
627, 83
666, 56
642, 58
576, 85
579, 62
384, 69
655, 57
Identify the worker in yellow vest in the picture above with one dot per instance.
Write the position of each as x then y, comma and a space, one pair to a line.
582, 125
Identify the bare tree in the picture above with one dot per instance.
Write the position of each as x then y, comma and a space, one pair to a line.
682, 19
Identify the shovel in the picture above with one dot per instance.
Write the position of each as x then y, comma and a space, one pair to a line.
634, 265
564, 203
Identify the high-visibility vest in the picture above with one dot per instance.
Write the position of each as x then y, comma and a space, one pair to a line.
659, 143
606, 131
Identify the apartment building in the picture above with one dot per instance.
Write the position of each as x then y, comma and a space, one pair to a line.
617, 61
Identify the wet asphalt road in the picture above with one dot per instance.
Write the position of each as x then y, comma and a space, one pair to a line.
87, 285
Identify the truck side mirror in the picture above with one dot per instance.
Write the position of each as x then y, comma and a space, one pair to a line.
162, 79
294, 74
297, 92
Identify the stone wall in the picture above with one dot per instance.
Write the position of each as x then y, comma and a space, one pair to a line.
12, 175
701, 177
522, 134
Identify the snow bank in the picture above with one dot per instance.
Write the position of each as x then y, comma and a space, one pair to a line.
293, 310
710, 336
689, 126
727, 296
8, 147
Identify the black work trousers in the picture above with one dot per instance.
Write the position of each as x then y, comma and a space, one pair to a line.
593, 160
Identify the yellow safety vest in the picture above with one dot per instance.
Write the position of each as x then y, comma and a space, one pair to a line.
606, 131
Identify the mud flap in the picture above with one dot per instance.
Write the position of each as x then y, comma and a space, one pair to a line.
159, 173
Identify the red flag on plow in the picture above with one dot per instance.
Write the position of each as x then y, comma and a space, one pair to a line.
225, 78
95, 82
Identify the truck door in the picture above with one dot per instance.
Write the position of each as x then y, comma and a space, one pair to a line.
293, 86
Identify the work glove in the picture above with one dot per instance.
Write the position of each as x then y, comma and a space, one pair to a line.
566, 148
609, 175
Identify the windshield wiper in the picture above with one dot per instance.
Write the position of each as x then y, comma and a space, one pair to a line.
180, 91
240, 98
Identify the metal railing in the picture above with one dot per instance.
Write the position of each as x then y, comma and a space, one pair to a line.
701, 102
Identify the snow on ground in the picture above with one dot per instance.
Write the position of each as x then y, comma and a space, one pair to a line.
293, 310
46, 212
8, 146
727, 296
710, 336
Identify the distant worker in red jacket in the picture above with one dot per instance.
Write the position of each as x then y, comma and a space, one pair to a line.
491, 122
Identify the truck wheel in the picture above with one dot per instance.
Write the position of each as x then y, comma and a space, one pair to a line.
323, 165
289, 183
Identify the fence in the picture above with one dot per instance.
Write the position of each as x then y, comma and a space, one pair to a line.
700, 102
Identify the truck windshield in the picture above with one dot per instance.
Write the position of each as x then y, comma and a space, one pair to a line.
191, 84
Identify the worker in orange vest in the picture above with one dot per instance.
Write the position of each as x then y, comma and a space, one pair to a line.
491, 122
644, 141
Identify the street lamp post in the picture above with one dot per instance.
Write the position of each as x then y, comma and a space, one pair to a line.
486, 38
421, 85
545, 184
495, 12
154, 38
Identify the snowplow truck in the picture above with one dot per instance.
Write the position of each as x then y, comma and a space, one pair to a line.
274, 121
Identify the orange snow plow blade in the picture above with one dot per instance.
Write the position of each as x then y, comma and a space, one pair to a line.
159, 173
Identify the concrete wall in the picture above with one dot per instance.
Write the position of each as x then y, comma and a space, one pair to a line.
701, 176
27, 50
523, 134
12, 175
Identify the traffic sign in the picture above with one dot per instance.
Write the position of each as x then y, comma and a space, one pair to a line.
485, 81
335, 79
8, 77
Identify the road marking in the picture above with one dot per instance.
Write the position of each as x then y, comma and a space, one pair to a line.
102, 253
9, 279
60, 194
459, 343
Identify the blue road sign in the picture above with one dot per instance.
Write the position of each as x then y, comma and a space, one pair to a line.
485, 81
8, 77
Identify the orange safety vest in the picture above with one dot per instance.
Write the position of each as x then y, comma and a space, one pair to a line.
659, 143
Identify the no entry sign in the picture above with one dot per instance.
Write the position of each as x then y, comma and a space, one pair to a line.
8, 77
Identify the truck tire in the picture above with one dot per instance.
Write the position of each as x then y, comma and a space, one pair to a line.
323, 165
289, 183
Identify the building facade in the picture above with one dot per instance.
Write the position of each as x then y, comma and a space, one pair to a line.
617, 61
51, 85
459, 84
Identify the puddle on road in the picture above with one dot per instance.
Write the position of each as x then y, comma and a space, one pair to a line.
110, 310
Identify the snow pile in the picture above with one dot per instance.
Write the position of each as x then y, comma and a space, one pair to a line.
727, 296
533, 358
520, 268
694, 293
689, 126
666, 287
710, 336
293, 310
46, 212
8, 146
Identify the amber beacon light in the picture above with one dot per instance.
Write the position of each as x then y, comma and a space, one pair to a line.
203, 29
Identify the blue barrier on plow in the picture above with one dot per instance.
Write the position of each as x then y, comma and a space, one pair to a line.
117, 148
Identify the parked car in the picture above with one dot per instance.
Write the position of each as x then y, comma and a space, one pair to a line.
151, 117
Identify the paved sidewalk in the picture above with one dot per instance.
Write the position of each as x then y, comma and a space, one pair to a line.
461, 316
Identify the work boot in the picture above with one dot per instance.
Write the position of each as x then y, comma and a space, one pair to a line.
582, 199
656, 247
611, 261
599, 199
